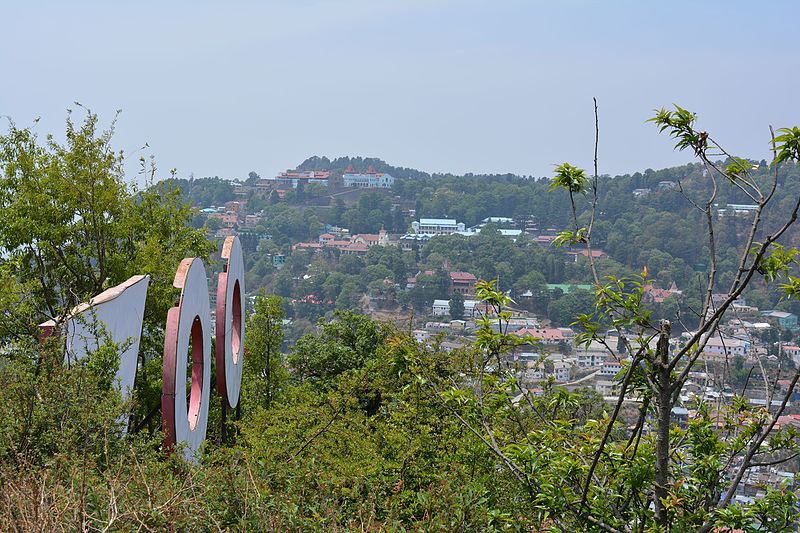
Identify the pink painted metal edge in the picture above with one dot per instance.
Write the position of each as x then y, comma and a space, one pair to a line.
222, 292
171, 359
168, 385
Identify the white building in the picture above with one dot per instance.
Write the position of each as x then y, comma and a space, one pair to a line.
610, 368
472, 308
724, 346
425, 228
535, 374
367, 180
562, 370
420, 335
591, 359
442, 308
498, 220
409, 240
528, 357
292, 178
504, 231
595, 355
437, 226
735, 209
604, 387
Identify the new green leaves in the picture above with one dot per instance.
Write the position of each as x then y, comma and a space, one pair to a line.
777, 263
738, 168
570, 178
787, 144
571, 237
680, 125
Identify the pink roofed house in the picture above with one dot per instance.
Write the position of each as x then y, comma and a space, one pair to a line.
355, 248
543, 335
656, 295
462, 283
312, 246
370, 239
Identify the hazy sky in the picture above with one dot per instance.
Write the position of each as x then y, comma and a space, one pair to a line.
460, 86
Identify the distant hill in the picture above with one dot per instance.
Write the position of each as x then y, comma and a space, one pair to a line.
360, 164
201, 191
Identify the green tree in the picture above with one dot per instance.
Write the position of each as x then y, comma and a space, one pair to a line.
457, 306
282, 283
213, 224
70, 227
373, 427
564, 310
349, 296
264, 370
344, 344
430, 286
421, 298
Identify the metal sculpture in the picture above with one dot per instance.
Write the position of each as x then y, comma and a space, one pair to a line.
185, 423
230, 323
117, 314
114, 315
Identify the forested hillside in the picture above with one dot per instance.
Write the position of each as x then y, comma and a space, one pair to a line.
647, 219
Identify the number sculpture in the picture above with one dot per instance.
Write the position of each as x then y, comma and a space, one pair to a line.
188, 325
230, 324
117, 315
113, 315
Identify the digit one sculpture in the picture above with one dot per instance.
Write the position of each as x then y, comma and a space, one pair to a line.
115, 314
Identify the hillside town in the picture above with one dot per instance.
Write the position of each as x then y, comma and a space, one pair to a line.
548, 353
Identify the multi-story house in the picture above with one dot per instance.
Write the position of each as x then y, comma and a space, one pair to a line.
437, 226
462, 283
367, 180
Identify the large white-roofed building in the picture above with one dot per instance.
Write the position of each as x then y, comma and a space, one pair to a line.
371, 179
437, 226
